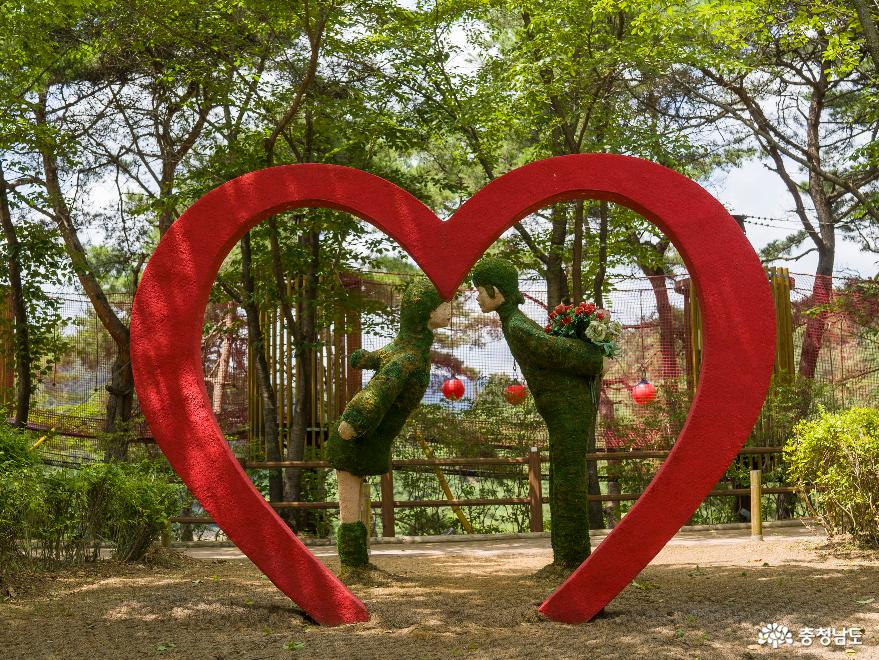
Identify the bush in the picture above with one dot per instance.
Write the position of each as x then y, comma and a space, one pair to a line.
128, 505
838, 454
67, 514
21, 497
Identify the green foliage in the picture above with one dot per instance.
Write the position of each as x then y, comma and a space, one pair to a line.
15, 449
838, 454
69, 514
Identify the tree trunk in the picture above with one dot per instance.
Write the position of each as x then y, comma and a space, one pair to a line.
223, 364
556, 279
119, 405
822, 290
601, 272
657, 277
121, 381
871, 34
21, 332
577, 254
256, 342
305, 376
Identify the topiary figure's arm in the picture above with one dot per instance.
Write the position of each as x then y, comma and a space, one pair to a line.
363, 359
369, 406
555, 353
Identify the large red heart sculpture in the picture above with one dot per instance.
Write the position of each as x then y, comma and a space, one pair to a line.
738, 346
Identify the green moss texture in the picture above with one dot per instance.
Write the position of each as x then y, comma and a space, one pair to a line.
563, 375
351, 544
379, 411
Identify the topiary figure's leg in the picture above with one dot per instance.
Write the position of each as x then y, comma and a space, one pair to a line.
351, 545
569, 507
351, 538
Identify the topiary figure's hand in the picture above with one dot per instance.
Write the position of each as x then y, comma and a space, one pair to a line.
346, 431
363, 359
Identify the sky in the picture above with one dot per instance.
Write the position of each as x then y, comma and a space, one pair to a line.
752, 189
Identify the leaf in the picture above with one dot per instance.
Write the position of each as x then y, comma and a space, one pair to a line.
644, 586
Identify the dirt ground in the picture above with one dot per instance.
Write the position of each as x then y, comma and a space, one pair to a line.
704, 596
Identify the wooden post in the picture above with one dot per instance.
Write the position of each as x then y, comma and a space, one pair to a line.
756, 505
388, 522
366, 502
535, 490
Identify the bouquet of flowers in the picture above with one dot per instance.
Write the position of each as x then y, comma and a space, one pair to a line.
585, 321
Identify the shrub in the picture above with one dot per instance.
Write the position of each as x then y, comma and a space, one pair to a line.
20, 495
838, 454
68, 514
128, 505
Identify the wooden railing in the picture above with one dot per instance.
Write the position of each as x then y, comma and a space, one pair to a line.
535, 499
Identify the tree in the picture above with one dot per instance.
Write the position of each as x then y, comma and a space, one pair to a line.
770, 67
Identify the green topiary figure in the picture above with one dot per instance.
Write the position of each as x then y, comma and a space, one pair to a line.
562, 374
360, 444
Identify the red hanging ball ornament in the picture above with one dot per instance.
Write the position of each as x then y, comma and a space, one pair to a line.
453, 389
515, 394
644, 392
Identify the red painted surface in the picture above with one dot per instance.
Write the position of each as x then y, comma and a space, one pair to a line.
644, 393
738, 346
453, 389
515, 394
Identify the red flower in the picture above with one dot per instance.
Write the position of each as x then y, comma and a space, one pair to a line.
588, 308
548, 328
600, 316
560, 309
552, 315
566, 320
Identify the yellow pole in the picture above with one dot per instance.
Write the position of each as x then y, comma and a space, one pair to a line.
756, 505
444, 485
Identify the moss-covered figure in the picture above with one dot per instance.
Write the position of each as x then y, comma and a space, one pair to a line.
562, 374
360, 443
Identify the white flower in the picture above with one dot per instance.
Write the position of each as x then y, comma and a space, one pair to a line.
614, 329
596, 332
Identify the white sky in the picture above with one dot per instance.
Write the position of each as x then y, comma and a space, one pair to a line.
754, 190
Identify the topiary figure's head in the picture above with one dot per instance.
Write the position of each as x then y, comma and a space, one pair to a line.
497, 273
419, 299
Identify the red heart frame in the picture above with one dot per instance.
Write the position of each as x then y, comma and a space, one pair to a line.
738, 346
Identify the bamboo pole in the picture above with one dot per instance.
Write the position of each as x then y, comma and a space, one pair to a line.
756, 506
445, 485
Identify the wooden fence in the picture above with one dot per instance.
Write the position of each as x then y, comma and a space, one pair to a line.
535, 500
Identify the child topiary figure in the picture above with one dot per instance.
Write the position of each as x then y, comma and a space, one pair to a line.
360, 444
562, 374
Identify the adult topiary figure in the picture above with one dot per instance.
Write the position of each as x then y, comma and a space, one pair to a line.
360, 444
562, 374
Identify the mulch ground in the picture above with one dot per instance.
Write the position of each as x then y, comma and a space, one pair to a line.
694, 601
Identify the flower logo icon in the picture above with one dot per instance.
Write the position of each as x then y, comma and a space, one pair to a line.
774, 635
